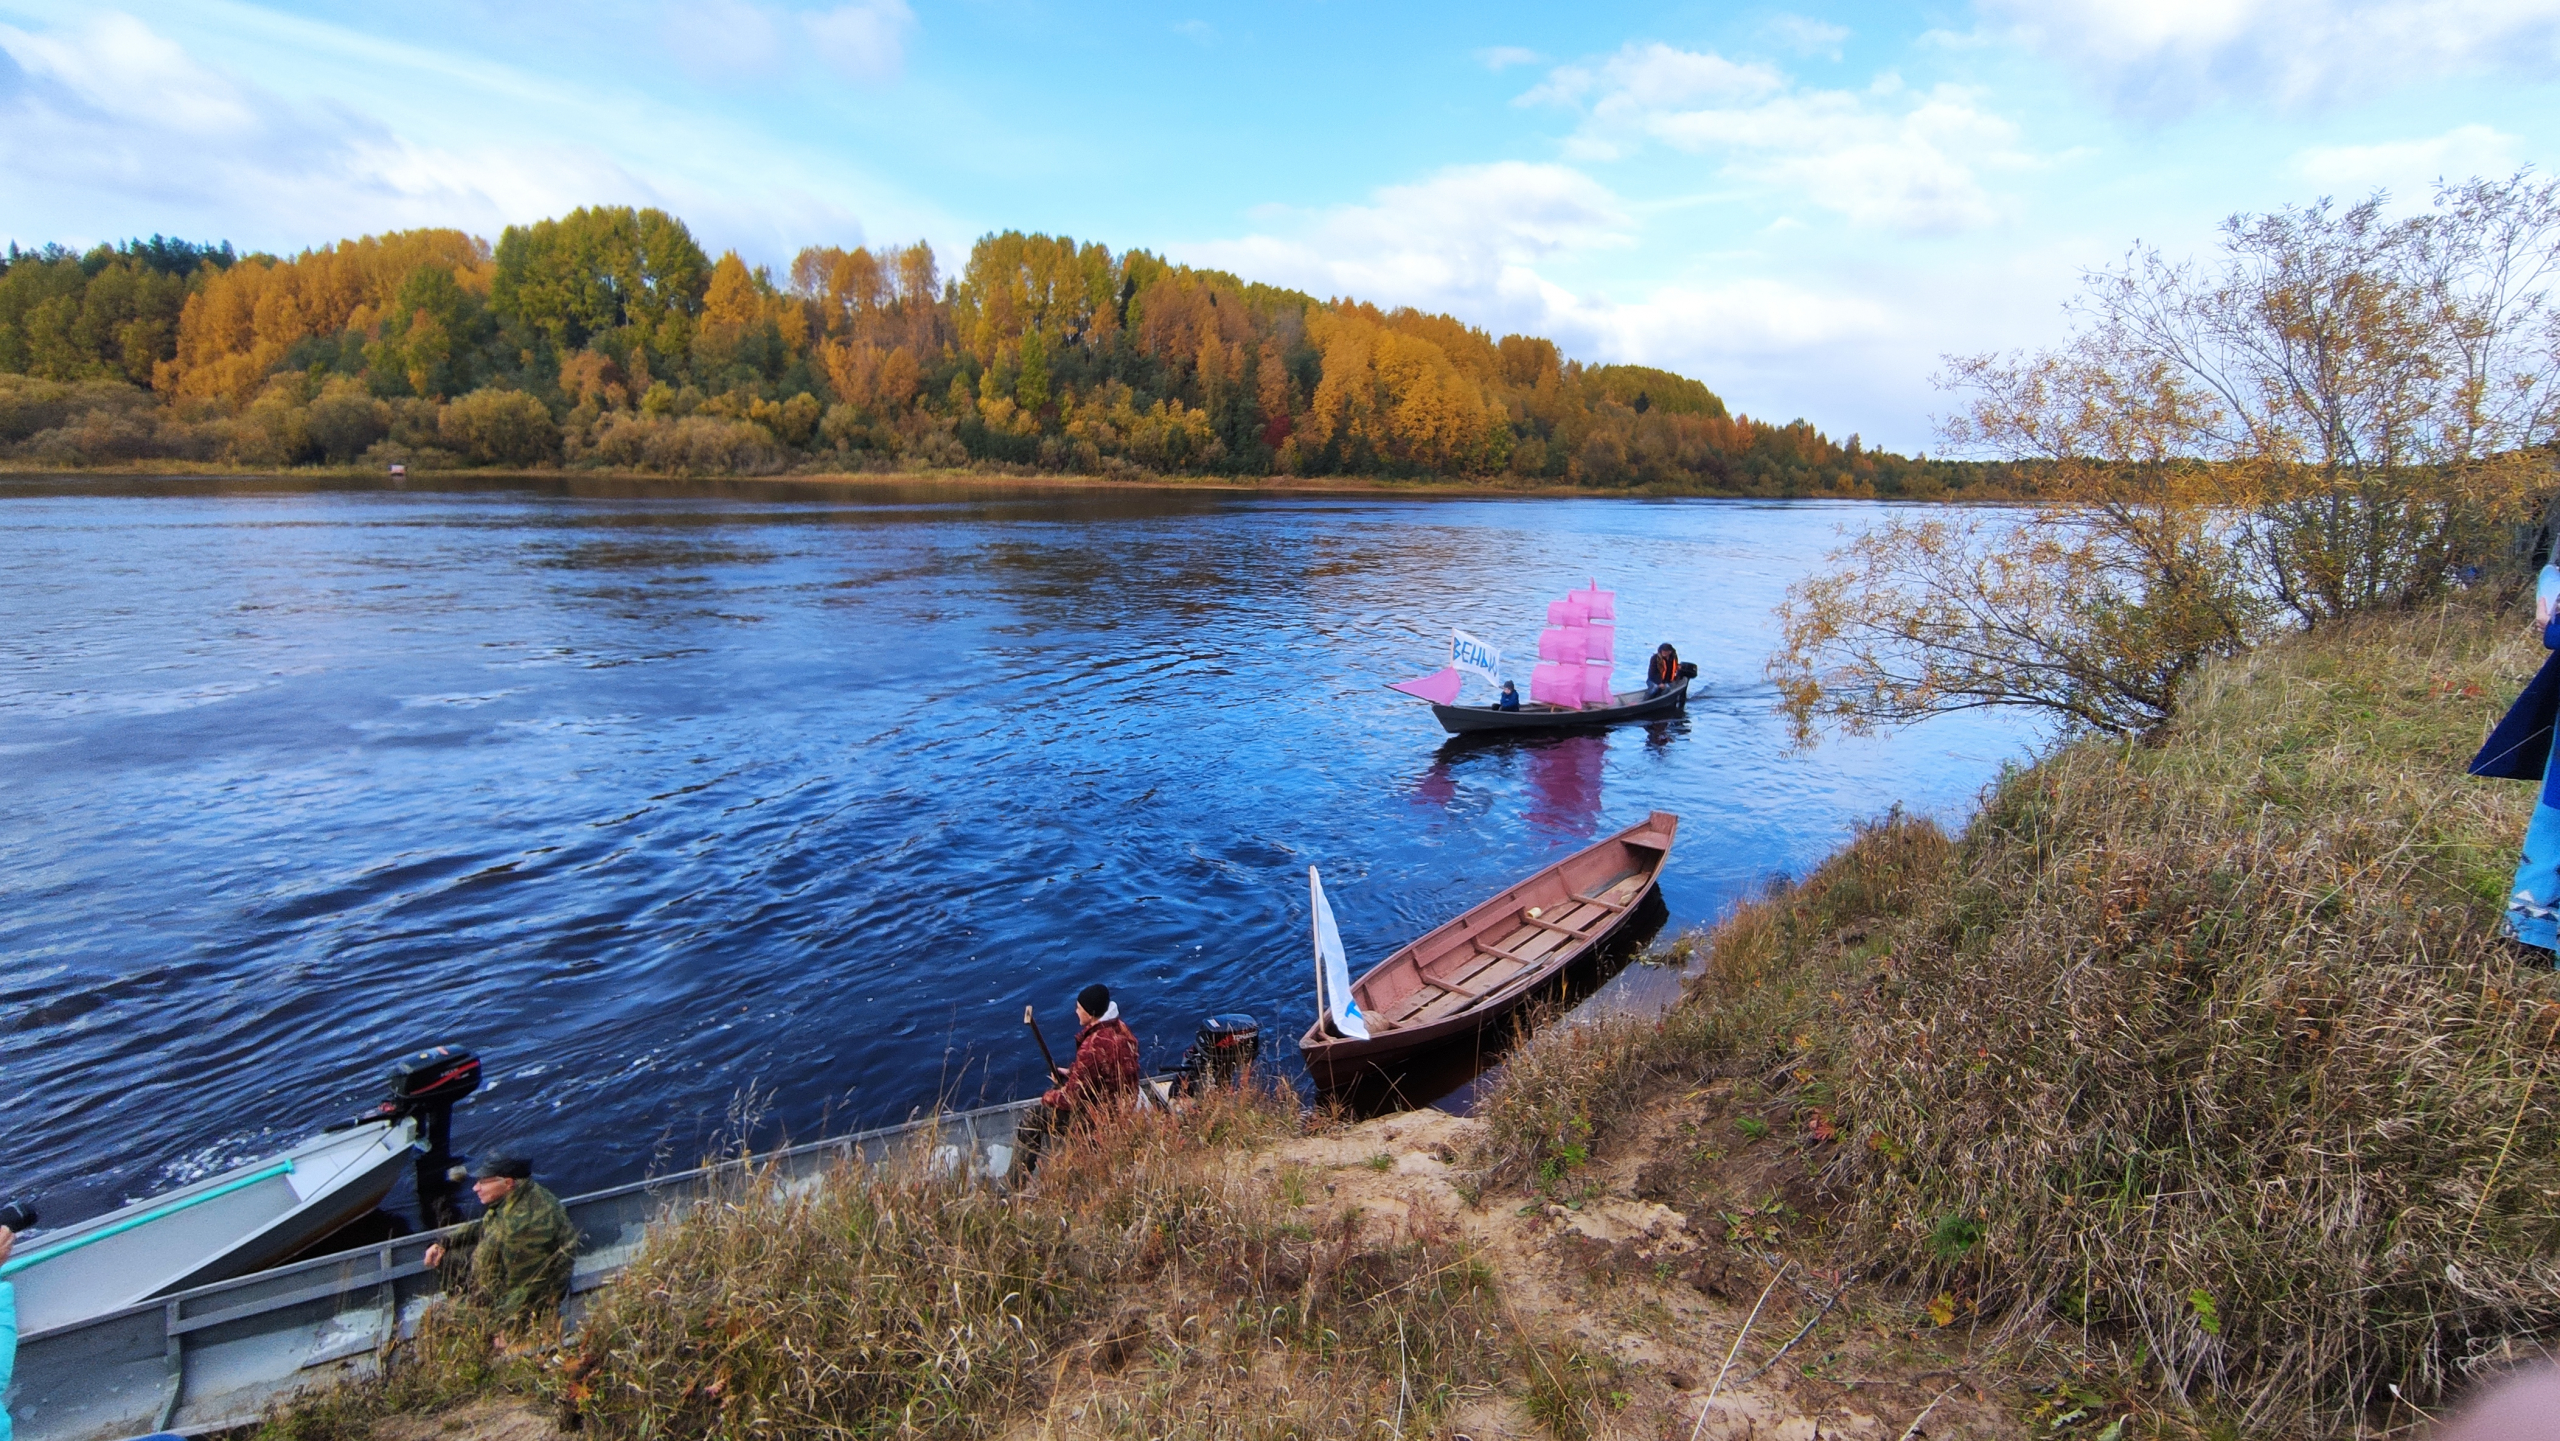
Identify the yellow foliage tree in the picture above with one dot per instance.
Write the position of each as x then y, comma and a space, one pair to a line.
868, 377
737, 307
235, 330
1394, 395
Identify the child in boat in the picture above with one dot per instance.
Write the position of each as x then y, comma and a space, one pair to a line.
1510, 697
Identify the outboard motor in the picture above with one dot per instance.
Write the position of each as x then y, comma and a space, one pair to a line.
426, 1085
1218, 1056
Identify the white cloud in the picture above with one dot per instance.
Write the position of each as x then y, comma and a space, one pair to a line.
1479, 242
1680, 326
736, 39
103, 106
718, 39
1198, 32
1806, 35
116, 66
866, 40
94, 109
2173, 56
1498, 58
1884, 156
1644, 78
1464, 238
2409, 169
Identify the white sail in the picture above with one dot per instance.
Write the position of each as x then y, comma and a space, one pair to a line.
1332, 967
1470, 656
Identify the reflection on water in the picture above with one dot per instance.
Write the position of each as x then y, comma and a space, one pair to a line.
1561, 772
651, 791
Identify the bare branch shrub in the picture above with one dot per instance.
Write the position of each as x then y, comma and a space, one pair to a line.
2339, 416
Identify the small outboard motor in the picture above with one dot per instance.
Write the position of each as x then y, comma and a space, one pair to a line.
426, 1085
1688, 670
1225, 1046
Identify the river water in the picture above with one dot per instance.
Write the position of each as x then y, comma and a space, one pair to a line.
662, 796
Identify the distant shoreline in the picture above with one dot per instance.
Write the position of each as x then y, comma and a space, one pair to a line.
1249, 485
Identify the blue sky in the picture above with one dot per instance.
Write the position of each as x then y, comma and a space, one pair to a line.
1804, 206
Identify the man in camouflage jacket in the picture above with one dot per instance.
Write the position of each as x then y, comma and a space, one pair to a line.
520, 1247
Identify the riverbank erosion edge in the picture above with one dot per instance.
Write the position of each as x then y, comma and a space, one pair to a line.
2187, 1092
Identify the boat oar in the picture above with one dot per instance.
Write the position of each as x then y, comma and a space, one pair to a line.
1033, 1022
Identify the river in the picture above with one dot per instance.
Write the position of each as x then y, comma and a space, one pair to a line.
684, 802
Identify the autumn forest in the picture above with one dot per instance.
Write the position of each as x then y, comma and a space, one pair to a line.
610, 339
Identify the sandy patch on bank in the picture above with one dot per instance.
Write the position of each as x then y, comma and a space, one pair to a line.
511, 1419
1654, 1284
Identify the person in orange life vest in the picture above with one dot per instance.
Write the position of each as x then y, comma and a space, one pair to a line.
1662, 672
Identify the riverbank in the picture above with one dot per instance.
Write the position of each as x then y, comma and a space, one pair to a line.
2191, 1083
1245, 1271
2187, 1092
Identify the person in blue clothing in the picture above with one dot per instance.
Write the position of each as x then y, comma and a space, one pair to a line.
8, 1334
2520, 749
1510, 697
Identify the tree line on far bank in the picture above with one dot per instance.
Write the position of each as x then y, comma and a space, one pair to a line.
610, 338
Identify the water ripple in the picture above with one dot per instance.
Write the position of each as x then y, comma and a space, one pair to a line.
652, 794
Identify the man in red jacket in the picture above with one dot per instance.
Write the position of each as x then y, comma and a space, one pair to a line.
1104, 1074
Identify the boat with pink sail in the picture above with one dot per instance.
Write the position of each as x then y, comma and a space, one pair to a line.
1571, 686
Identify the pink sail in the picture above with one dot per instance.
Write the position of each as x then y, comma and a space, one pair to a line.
1599, 641
1558, 685
1565, 645
1440, 687
1595, 685
1559, 613
1601, 604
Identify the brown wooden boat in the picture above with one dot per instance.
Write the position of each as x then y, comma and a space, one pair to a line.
1472, 971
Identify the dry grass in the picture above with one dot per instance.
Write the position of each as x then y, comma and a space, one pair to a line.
1770, 967
452, 1358
1156, 1280
2212, 1048
2201, 1056
1147, 1284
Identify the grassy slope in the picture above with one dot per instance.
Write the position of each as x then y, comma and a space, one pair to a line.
2200, 1057
1148, 1285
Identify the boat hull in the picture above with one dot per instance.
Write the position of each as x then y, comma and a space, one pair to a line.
1631, 706
244, 1219
1475, 971
219, 1357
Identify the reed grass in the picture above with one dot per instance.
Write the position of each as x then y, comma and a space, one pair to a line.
1768, 969
453, 1357
2201, 1053
1145, 1283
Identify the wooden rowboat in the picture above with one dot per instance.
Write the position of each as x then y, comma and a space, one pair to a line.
1626, 705
1472, 971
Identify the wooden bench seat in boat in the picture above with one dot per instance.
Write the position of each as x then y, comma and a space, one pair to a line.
1477, 967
